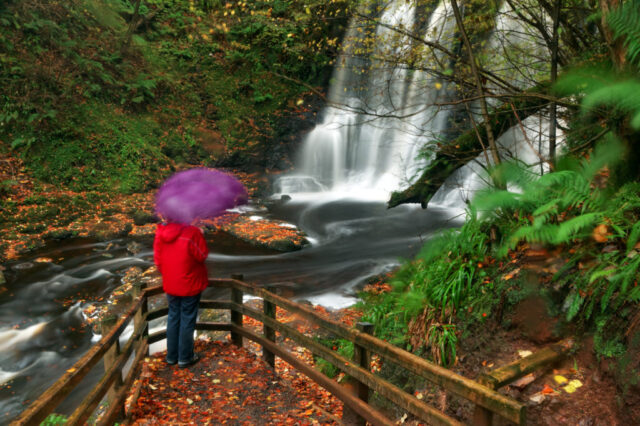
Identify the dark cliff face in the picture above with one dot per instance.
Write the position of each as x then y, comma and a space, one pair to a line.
278, 153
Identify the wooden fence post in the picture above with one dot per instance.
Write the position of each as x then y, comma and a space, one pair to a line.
482, 416
236, 317
138, 318
362, 358
110, 357
269, 310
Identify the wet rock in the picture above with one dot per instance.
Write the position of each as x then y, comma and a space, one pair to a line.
284, 245
59, 235
134, 247
118, 302
22, 266
109, 230
141, 218
262, 232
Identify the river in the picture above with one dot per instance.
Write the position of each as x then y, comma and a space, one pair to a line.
42, 331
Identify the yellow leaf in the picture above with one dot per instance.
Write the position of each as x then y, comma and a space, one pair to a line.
524, 353
572, 386
561, 380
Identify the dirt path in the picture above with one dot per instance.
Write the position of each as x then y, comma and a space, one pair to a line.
229, 385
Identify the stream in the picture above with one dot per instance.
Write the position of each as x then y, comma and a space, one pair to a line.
42, 332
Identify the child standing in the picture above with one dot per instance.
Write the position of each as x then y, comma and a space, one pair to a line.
179, 251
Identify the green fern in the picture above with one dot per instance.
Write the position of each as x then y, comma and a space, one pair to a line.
634, 235
623, 21
601, 86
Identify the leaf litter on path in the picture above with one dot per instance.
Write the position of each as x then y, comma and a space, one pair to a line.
229, 385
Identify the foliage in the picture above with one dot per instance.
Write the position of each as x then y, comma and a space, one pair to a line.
573, 206
601, 86
563, 205
623, 21
54, 420
453, 280
448, 278
192, 65
342, 347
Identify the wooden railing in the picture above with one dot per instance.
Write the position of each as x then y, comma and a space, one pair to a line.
116, 387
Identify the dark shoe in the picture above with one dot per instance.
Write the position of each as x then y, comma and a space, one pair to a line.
170, 362
195, 359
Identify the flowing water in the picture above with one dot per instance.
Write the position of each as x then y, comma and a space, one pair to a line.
41, 322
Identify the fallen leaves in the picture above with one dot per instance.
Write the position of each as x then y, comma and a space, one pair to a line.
243, 390
572, 386
232, 385
601, 233
561, 380
547, 390
263, 232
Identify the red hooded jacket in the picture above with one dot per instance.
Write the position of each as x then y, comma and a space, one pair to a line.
179, 251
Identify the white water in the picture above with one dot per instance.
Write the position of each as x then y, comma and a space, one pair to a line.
11, 337
380, 116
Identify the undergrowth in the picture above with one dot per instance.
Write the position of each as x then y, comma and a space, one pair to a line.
460, 276
86, 107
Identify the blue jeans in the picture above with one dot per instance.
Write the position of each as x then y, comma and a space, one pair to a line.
183, 311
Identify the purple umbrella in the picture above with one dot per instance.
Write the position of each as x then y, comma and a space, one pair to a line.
198, 194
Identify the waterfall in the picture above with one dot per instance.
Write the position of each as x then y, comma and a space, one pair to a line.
516, 57
379, 115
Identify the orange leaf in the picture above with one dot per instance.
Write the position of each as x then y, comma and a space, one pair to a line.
601, 233
547, 390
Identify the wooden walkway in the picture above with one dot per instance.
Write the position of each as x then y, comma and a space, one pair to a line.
229, 385
116, 384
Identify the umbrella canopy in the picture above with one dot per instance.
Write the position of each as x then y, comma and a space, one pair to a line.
198, 194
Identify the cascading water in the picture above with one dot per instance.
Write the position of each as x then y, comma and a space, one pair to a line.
517, 58
380, 114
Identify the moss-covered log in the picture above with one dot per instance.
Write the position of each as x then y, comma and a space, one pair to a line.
467, 146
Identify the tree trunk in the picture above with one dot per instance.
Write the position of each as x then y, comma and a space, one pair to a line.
479, 86
616, 47
554, 77
468, 146
132, 25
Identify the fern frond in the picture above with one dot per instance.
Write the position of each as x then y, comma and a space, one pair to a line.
571, 228
622, 95
574, 302
634, 235
623, 22
493, 200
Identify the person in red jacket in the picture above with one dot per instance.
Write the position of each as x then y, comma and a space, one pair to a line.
179, 251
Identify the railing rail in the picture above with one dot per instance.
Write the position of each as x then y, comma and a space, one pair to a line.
115, 387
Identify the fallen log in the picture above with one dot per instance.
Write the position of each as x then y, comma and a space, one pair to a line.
467, 146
